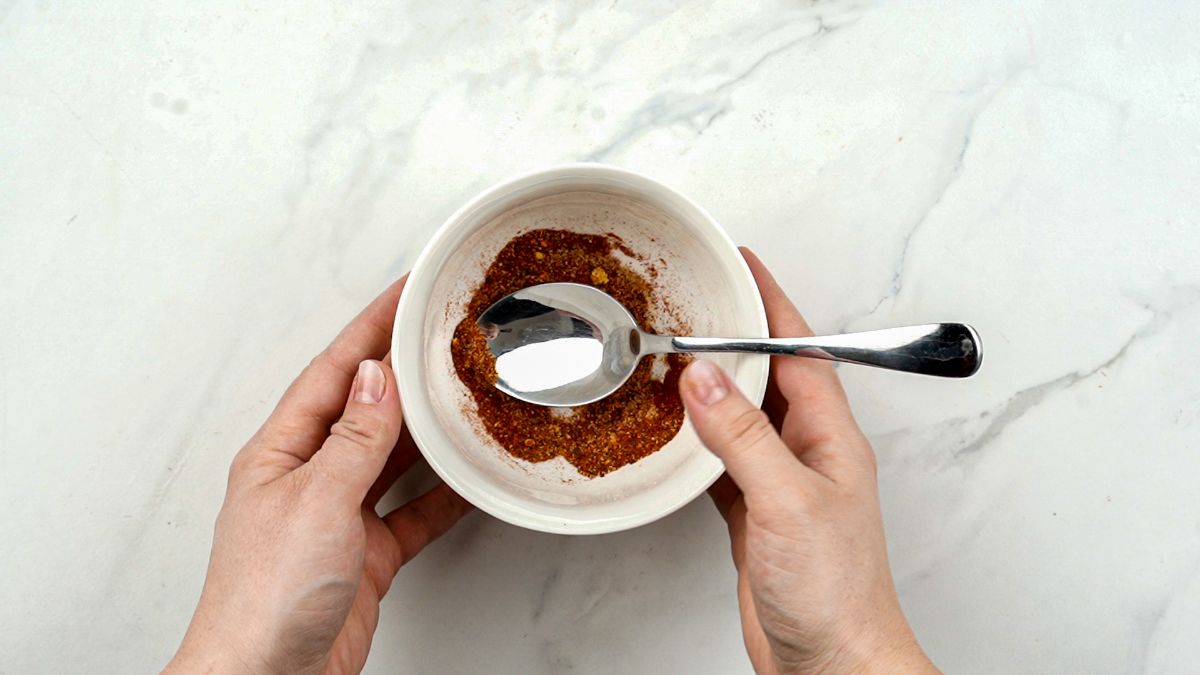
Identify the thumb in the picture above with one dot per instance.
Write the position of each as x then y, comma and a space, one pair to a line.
736, 430
359, 444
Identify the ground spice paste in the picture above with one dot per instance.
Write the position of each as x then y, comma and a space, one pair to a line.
636, 420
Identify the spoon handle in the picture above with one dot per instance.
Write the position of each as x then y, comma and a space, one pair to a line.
941, 349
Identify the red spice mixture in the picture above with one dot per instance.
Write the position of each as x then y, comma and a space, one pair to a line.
636, 420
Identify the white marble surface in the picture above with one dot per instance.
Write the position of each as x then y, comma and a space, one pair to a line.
195, 196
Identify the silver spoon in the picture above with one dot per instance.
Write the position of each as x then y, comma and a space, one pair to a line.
569, 344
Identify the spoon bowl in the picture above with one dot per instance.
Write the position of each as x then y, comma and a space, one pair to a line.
565, 344
541, 335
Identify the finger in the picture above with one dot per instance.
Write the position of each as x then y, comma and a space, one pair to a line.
403, 456
358, 446
738, 432
774, 404
784, 320
816, 403
724, 493
314, 400
424, 519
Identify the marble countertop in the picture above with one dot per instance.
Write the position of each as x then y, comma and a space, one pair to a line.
194, 198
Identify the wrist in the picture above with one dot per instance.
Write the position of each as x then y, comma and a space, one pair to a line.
906, 658
210, 661
204, 651
882, 652
892, 655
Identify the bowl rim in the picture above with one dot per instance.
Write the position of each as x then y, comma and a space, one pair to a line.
419, 417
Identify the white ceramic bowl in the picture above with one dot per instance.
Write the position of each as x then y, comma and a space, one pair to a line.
701, 273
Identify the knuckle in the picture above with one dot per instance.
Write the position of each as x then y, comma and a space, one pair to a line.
857, 454
414, 541
327, 361
239, 467
423, 522
749, 428
870, 463
451, 502
316, 362
359, 432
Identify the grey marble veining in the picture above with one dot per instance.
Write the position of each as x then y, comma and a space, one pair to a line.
194, 197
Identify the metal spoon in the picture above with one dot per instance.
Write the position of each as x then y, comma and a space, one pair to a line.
569, 344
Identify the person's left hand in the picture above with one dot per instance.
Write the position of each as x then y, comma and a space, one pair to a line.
300, 558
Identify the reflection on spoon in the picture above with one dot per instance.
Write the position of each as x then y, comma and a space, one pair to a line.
539, 366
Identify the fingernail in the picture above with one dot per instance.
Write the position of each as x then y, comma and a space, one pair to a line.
705, 382
369, 383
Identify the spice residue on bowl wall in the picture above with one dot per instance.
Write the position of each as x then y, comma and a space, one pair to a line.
637, 420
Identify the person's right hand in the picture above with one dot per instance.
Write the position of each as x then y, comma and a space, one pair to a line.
800, 497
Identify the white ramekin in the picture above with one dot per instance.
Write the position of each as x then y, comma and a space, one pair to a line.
703, 272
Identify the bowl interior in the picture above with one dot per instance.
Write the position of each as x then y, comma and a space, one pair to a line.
699, 274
